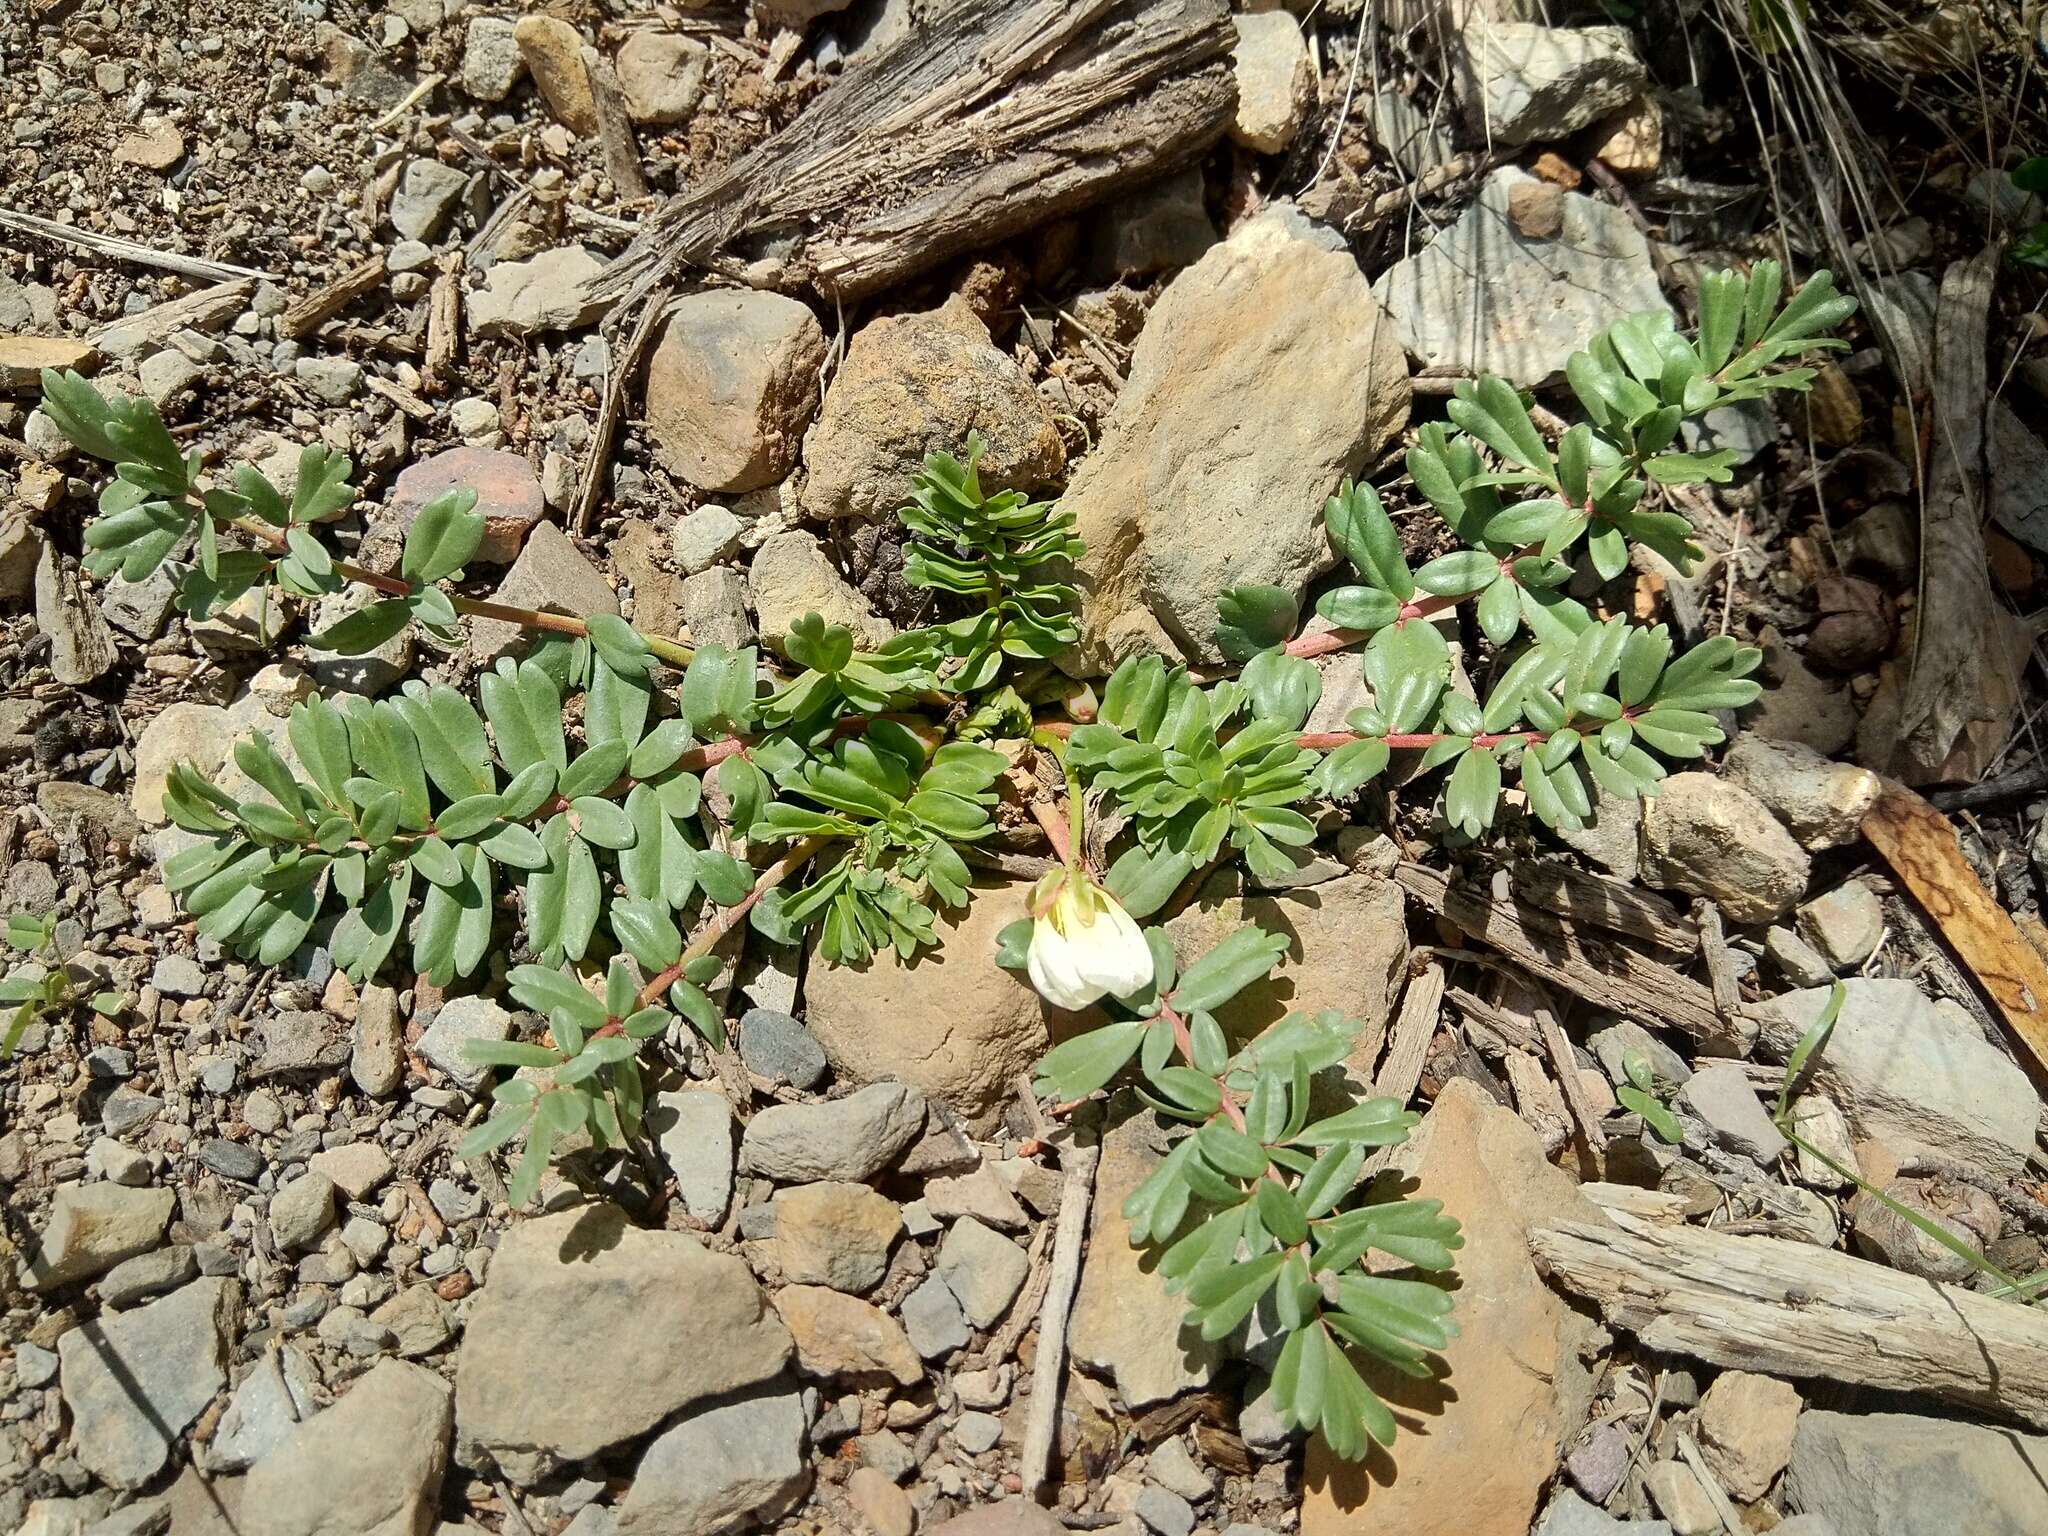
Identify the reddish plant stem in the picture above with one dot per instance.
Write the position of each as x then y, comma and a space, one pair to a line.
800, 854
1415, 608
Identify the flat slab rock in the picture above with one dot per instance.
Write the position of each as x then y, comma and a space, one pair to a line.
371, 1465
133, 1380
1486, 297
545, 1377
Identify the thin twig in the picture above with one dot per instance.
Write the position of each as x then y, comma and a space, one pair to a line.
1048, 1370
128, 250
591, 490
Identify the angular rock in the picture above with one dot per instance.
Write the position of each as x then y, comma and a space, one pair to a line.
1747, 1423
1521, 81
1491, 1444
722, 1468
134, 1380
272, 1399
550, 292
1485, 298
550, 574
882, 1506
956, 1027
553, 51
507, 494
545, 1378
984, 1269
715, 608
93, 1227
914, 384
23, 359
1215, 463
1845, 924
1707, 836
302, 1211
693, 1129
147, 1274
850, 1139
1822, 802
460, 1021
933, 1321
356, 1169
835, 1234
731, 387
426, 196
81, 646
792, 576
491, 60
1347, 942
1736, 1117
1897, 1474
1570, 1515
704, 538
376, 1060
779, 1048
841, 1335
1124, 1324
662, 76
1276, 81
1915, 1076
301, 1042
370, 1465
1681, 1498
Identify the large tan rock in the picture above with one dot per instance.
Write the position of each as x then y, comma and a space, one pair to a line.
553, 51
369, 1466
1478, 1445
1347, 942
1708, 836
1214, 466
731, 387
914, 384
952, 1023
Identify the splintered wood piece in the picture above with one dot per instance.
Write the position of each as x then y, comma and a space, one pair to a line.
614, 127
330, 299
1920, 845
1604, 902
1414, 1027
957, 136
444, 327
1607, 975
1787, 1308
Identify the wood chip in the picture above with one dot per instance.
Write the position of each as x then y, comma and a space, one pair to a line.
614, 127
1617, 906
330, 299
1920, 845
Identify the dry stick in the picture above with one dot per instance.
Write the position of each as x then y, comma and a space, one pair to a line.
1048, 1370
1566, 1066
330, 299
622, 371
614, 128
1731, 1525
128, 250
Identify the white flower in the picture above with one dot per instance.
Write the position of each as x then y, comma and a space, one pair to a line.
1084, 945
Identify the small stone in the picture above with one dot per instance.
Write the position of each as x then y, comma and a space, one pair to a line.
662, 76
1570, 1515
356, 1169
1846, 925
302, 1211
1676, 1491
154, 144
271, 1400
1708, 836
841, 1335
850, 1139
775, 1046
989, 1388
336, 380
460, 1021
1522, 82
980, 1194
109, 1159
1822, 802
491, 59
704, 538
550, 574
1963, 1211
720, 1468
984, 1269
167, 375
1163, 1512
1598, 1463
1721, 1096
178, 976
415, 1320
975, 1433
93, 1227
508, 496
553, 51
551, 292
731, 387
1747, 1424
1276, 81
1172, 1468
1631, 141
473, 419
715, 608
933, 1320
835, 1234
377, 1047
231, 1159
792, 577
693, 1129
425, 197
147, 1274
34, 1366
885, 1507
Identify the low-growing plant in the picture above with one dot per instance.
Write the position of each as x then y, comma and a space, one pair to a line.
842, 802
44, 986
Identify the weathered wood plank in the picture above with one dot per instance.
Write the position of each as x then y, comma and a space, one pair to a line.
1791, 1309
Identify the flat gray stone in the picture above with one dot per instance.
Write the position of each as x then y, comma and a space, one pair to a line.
370, 1465
93, 1227
984, 1269
721, 1468
460, 1021
853, 1138
1721, 1096
693, 1129
134, 1380
273, 1398
932, 1318
780, 1048
1897, 1474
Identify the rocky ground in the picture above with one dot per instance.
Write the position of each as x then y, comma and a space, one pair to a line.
252, 1288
